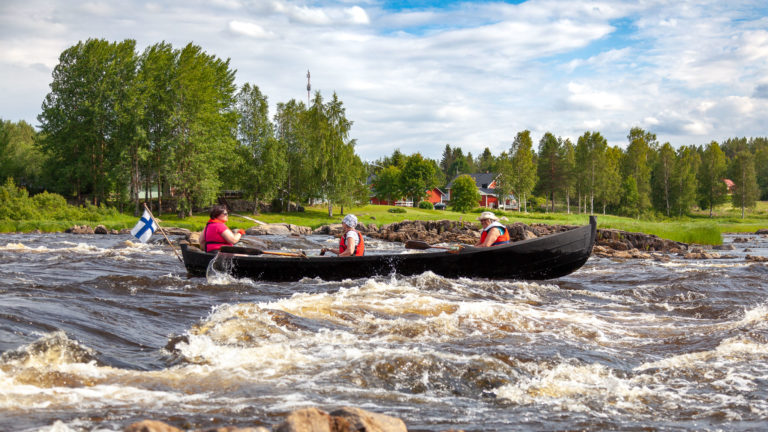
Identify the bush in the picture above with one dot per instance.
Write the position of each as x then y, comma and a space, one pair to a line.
426, 205
397, 210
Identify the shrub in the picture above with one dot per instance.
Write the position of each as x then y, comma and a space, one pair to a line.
397, 210
426, 205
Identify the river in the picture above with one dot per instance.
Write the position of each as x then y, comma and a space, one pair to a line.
98, 331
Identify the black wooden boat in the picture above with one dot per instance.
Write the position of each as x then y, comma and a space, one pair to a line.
540, 258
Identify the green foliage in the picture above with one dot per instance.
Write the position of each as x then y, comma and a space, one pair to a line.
742, 172
523, 166
397, 210
712, 189
417, 176
464, 194
16, 205
426, 205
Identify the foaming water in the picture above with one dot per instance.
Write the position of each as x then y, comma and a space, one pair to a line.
98, 331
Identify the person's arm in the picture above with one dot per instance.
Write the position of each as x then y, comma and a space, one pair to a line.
493, 234
232, 237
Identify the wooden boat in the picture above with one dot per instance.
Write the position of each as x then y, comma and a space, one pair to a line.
540, 258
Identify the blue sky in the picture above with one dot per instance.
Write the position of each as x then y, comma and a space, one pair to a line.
417, 75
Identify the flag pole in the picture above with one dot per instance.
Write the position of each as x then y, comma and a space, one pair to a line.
163, 232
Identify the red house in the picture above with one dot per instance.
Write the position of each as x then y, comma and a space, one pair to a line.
486, 186
434, 195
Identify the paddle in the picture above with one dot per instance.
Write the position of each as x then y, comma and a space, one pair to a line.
254, 251
417, 244
249, 218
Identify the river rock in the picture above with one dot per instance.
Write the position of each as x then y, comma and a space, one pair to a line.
151, 426
77, 229
756, 258
278, 229
100, 229
762, 231
345, 419
724, 247
741, 240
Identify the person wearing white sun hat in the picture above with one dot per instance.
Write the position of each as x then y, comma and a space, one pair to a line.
351, 242
494, 233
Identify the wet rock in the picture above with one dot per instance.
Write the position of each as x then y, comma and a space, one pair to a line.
755, 258
762, 231
362, 420
278, 229
741, 240
174, 231
347, 419
235, 429
151, 426
100, 229
723, 247
78, 229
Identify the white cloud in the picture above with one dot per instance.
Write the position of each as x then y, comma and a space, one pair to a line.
249, 29
470, 74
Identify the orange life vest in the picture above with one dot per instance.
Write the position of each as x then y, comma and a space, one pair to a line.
359, 247
503, 238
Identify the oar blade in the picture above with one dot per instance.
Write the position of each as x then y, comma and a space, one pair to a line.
417, 244
241, 250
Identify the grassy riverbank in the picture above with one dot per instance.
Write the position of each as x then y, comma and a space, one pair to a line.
697, 228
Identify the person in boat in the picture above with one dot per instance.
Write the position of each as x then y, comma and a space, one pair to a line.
351, 242
216, 234
494, 233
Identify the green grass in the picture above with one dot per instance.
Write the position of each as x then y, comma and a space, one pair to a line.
698, 228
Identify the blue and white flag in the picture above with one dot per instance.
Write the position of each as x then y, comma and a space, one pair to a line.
145, 227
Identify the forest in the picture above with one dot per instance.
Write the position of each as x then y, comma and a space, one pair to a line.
117, 123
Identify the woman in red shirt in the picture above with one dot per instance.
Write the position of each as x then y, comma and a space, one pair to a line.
216, 234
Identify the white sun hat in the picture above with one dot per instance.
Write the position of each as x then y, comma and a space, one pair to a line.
350, 220
487, 215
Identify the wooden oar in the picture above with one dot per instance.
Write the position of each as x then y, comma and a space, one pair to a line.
254, 251
249, 218
417, 244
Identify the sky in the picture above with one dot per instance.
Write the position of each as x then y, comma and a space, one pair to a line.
417, 75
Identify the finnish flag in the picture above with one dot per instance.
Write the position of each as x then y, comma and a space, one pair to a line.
145, 227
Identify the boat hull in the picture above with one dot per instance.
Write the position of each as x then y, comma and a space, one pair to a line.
540, 258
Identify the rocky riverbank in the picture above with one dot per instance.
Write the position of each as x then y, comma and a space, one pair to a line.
610, 243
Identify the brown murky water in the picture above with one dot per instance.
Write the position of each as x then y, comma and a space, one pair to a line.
97, 332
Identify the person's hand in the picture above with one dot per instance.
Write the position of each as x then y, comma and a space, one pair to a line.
241, 231
323, 251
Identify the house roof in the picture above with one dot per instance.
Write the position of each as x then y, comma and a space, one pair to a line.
479, 178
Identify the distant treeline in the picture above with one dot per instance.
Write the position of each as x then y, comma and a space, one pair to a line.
117, 123
646, 177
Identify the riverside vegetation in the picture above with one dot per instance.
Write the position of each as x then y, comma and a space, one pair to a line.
48, 212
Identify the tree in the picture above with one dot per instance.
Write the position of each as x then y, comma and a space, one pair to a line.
590, 156
549, 169
204, 126
663, 171
638, 161
568, 158
291, 125
761, 165
418, 176
262, 166
629, 198
87, 117
486, 163
742, 172
684, 184
504, 178
609, 178
712, 189
20, 159
386, 186
464, 194
523, 166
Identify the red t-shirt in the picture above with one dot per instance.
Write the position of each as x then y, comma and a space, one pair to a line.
212, 236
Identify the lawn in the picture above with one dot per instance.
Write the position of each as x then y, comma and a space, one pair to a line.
696, 228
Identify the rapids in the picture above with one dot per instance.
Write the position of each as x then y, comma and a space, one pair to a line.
97, 332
